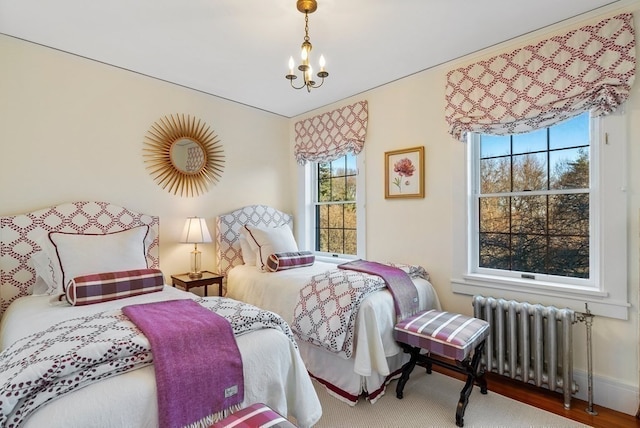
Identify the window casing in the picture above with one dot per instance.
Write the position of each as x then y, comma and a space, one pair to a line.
332, 208
601, 277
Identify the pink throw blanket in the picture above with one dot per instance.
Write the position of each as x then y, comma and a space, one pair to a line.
402, 288
197, 362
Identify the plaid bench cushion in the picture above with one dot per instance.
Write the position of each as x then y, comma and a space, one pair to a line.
256, 415
443, 333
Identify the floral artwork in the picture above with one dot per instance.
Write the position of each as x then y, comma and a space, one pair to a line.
404, 172
404, 168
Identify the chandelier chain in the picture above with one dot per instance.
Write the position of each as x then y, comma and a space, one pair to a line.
306, 27
306, 7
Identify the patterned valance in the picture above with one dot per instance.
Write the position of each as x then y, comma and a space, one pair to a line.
328, 136
591, 68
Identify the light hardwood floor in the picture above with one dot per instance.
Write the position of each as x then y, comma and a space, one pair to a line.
553, 402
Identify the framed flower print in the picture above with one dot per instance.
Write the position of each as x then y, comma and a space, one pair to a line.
404, 173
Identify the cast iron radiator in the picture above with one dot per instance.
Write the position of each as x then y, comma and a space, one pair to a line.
529, 342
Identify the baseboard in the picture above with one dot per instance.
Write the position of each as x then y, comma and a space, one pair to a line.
607, 393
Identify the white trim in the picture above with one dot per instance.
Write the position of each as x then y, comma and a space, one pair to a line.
305, 225
607, 392
608, 294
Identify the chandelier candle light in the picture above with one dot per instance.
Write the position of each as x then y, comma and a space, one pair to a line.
195, 232
306, 7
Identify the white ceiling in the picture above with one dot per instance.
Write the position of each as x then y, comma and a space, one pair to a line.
239, 50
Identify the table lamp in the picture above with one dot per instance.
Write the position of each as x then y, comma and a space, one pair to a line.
195, 232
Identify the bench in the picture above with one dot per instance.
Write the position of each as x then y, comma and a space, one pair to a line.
253, 416
450, 335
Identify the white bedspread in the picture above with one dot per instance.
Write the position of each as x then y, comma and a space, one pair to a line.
273, 370
278, 292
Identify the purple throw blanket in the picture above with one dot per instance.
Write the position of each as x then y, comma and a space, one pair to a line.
197, 362
402, 288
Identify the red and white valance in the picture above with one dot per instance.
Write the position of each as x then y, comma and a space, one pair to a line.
591, 68
328, 136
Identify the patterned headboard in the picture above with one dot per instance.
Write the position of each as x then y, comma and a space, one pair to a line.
228, 231
19, 234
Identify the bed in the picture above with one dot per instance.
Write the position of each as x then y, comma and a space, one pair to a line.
375, 359
273, 370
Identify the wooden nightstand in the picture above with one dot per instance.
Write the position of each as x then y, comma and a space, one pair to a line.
207, 279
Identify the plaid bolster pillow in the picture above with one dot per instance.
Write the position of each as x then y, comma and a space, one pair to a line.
103, 287
282, 261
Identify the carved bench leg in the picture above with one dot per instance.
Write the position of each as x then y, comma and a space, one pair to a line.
406, 371
473, 375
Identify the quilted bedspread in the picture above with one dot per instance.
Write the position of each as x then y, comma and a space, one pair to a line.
76, 352
328, 305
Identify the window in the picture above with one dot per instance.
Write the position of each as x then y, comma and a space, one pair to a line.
335, 206
532, 197
545, 216
333, 213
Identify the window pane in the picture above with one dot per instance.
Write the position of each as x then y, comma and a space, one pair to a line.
569, 215
494, 145
350, 241
495, 214
338, 189
350, 216
322, 240
336, 241
322, 216
529, 253
530, 142
335, 213
570, 168
529, 215
530, 172
571, 133
569, 257
495, 252
495, 175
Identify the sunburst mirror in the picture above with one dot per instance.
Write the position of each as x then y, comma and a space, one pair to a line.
183, 155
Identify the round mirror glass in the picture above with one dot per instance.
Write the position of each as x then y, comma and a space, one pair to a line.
187, 156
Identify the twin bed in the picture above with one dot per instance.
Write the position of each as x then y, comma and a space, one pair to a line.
374, 359
41, 333
36, 326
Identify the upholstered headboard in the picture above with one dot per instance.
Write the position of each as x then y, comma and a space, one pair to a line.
20, 233
228, 231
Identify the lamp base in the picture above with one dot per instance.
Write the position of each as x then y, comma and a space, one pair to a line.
195, 275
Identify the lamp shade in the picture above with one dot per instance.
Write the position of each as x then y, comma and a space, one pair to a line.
195, 231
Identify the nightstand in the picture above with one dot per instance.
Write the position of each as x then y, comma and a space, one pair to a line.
207, 279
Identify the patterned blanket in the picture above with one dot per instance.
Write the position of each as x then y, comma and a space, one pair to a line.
74, 353
328, 305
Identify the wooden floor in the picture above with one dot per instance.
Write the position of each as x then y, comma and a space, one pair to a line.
553, 402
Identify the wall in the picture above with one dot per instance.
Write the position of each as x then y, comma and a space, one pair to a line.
409, 113
73, 129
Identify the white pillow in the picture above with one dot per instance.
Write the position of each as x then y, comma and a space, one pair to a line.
271, 240
248, 254
90, 254
65, 256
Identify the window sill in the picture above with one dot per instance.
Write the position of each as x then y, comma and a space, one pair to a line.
572, 297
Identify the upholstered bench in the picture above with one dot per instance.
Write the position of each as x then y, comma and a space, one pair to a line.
453, 336
256, 415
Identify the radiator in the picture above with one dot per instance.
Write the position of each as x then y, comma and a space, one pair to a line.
529, 342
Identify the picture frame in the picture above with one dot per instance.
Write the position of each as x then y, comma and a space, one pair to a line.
404, 173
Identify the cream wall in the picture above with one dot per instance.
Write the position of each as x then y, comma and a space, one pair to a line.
410, 112
73, 129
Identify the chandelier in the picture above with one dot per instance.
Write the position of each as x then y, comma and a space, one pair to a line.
306, 7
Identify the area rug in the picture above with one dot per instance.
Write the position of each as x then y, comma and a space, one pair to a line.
430, 401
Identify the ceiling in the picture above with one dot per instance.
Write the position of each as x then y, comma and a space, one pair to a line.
239, 50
